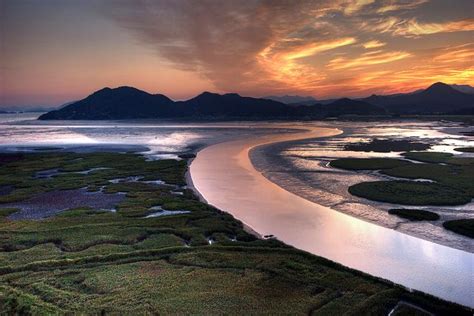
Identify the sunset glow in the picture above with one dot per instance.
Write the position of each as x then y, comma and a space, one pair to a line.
58, 51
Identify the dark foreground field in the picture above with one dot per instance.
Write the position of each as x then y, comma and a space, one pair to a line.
106, 258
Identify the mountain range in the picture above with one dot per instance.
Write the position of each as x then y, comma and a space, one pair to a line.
292, 99
439, 98
131, 103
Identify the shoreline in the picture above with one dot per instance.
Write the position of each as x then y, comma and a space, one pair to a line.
241, 208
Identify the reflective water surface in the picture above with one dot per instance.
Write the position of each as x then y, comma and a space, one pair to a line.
226, 178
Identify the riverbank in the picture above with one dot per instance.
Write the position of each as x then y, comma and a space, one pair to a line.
225, 176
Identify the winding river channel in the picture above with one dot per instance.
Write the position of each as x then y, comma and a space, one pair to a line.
224, 176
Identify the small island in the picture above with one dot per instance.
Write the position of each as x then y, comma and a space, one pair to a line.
439, 179
415, 214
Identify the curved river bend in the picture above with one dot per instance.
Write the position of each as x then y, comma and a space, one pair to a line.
225, 177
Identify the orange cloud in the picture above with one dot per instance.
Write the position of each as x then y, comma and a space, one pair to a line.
373, 44
463, 53
355, 5
367, 59
400, 5
313, 48
283, 63
413, 28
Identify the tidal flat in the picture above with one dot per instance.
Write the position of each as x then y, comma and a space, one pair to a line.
441, 179
431, 161
84, 259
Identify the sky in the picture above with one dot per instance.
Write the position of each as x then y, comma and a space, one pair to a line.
57, 51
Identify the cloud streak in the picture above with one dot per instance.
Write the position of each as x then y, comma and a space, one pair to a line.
414, 28
367, 59
258, 47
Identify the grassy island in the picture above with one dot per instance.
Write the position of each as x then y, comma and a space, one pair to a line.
367, 163
461, 226
156, 248
409, 193
414, 214
465, 149
432, 178
387, 145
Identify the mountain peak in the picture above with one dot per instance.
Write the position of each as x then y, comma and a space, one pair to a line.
440, 87
103, 90
232, 95
206, 94
121, 90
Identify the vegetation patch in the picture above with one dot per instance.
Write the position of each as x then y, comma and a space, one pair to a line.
442, 179
428, 156
409, 193
367, 163
187, 156
387, 145
461, 226
465, 149
6, 158
414, 214
456, 177
439, 157
47, 148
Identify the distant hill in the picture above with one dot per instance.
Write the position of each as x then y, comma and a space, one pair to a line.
209, 104
465, 88
131, 103
118, 103
347, 106
292, 99
436, 99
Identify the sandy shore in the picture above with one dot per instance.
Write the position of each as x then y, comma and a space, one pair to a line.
225, 177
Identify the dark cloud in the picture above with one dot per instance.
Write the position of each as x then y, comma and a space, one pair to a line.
220, 39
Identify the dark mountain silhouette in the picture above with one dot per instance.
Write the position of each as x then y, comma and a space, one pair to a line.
347, 106
292, 99
465, 88
118, 103
131, 103
438, 98
465, 111
231, 105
